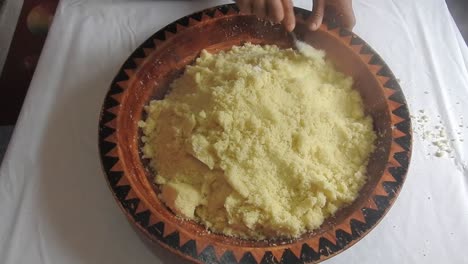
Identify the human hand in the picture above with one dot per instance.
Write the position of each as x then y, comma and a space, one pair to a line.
281, 11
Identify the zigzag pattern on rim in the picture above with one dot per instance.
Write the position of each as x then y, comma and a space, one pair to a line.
203, 251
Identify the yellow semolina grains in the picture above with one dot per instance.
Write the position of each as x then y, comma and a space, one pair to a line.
259, 142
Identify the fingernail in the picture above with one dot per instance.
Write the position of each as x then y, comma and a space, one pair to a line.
313, 26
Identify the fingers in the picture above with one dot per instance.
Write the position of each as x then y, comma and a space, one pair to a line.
275, 10
340, 12
245, 6
289, 20
348, 20
259, 8
315, 20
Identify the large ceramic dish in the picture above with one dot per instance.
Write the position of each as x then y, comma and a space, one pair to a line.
146, 75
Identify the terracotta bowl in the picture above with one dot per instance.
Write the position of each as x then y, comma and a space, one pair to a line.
146, 75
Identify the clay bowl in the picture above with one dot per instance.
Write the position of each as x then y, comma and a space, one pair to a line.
146, 75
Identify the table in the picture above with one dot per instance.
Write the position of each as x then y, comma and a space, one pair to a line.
56, 207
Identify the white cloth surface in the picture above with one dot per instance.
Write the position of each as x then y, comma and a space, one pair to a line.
55, 206
9, 14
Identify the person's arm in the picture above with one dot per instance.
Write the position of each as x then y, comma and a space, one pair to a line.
282, 11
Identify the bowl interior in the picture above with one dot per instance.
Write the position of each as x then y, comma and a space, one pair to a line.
162, 65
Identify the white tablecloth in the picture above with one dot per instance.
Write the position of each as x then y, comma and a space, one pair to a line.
9, 14
55, 206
